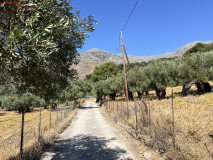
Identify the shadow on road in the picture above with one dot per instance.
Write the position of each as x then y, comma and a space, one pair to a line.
86, 147
88, 107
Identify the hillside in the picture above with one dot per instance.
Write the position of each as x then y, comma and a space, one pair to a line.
95, 57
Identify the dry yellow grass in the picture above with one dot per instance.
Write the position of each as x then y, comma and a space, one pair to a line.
10, 128
193, 123
193, 119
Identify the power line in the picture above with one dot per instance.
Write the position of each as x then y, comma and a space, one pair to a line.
126, 24
130, 14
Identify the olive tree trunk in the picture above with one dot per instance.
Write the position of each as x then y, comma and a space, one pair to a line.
140, 95
207, 87
203, 88
130, 95
112, 96
160, 93
186, 88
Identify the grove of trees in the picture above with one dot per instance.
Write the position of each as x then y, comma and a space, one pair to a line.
194, 68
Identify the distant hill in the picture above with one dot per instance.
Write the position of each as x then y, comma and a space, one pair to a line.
95, 57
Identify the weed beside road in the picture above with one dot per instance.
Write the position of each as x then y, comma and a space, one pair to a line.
189, 136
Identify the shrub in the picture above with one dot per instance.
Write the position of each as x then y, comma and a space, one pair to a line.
8, 102
21, 103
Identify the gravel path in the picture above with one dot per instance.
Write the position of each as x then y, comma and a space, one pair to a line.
90, 137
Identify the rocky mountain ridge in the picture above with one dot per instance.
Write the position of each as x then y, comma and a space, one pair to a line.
89, 59
98, 55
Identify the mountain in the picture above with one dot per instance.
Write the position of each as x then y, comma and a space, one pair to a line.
98, 55
95, 57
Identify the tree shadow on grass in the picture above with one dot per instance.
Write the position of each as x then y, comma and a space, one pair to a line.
2, 114
86, 147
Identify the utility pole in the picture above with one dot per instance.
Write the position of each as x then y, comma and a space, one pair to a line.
127, 58
123, 50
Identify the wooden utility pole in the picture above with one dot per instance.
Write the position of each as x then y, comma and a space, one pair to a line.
123, 50
126, 57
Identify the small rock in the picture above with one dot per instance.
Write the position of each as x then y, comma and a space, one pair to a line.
147, 155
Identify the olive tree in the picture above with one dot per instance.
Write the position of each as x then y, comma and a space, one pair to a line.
104, 71
158, 76
196, 69
21, 103
138, 81
38, 46
98, 90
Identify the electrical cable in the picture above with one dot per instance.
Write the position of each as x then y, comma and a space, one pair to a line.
130, 14
127, 22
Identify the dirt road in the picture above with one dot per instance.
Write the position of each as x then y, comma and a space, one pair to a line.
91, 137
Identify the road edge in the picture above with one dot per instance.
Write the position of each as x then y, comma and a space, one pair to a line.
140, 148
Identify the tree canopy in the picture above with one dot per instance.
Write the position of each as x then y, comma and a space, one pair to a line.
38, 46
104, 71
159, 74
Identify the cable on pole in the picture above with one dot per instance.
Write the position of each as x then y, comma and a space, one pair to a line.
130, 14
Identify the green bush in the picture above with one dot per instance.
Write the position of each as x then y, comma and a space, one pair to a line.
8, 102
21, 103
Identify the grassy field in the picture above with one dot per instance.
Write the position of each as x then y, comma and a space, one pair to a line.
193, 123
10, 128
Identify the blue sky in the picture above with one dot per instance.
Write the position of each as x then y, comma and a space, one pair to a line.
156, 26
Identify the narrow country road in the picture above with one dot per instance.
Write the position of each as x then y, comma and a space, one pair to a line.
90, 137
